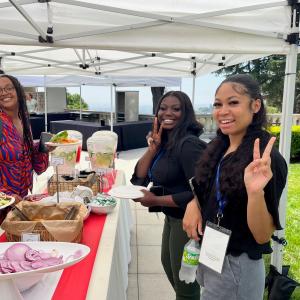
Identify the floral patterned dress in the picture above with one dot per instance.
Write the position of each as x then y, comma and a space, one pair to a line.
16, 162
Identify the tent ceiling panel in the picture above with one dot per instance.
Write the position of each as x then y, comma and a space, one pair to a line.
39, 61
71, 80
254, 26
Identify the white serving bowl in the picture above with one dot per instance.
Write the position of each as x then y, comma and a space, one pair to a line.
101, 209
72, 254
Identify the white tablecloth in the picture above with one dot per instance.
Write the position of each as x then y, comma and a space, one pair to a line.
109, 278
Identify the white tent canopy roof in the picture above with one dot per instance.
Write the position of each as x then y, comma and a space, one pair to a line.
78, 80
118, 24
138, 38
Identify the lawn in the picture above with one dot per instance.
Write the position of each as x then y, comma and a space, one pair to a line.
292, 250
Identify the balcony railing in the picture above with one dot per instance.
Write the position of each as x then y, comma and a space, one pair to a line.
205, 119
210, 126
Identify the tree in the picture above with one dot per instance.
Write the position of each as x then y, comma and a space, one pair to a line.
269, 71
73, 102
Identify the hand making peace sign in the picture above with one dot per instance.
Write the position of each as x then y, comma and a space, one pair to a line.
258, 173
154, 138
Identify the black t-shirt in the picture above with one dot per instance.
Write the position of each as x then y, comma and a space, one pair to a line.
173, 170
235, 212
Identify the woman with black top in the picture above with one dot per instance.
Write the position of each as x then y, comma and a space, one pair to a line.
169, 162
239, 181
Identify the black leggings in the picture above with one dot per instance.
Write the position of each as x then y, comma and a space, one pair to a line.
173, 241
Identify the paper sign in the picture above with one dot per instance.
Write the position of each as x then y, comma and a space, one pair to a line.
56, 161
104, 170
30, 237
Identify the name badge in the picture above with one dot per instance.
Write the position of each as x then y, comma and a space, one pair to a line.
214, 246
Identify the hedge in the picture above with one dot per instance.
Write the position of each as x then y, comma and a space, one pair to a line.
295, 146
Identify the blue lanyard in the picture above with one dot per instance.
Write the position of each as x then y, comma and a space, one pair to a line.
221, 200
157, 157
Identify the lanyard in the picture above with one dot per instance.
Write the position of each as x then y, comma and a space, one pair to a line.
157, 157
221, 200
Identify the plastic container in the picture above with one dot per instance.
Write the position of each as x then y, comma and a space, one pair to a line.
190, 261
103, 133
74, 134
68, 153
102, 149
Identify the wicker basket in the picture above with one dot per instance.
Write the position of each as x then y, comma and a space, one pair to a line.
92, 181
51, 227
44, 235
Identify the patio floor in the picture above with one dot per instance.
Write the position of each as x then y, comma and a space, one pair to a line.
145, 269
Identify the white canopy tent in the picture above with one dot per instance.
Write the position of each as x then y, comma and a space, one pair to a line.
150, 38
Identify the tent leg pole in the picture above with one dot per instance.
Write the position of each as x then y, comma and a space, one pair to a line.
112, 96
285, 143
80, 105
193, 91
46, 105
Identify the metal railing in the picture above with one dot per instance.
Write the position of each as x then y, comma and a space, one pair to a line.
205, 119
210, 126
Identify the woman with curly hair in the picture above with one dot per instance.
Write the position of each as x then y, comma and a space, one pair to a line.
238, 183
169, 162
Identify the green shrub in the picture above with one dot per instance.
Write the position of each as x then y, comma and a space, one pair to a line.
295, 146
272, 110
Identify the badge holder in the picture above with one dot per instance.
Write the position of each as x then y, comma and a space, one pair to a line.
214, 246
215, 238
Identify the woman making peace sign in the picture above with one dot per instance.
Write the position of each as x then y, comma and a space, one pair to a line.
169, 162
239, 181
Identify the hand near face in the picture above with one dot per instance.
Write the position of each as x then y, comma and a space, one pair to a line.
154, 140
258, 173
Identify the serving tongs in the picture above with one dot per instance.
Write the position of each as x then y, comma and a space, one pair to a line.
86, 200
20, 214
72, 213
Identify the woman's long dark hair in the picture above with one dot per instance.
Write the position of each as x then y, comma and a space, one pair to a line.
23, 112
187, 123
232, 175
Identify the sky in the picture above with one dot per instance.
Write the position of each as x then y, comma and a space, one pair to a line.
98, 98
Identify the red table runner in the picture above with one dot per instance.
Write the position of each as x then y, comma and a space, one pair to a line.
74, 282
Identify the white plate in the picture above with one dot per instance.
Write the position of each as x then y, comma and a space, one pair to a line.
127, 191
62, 144
9, 203
72, 253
